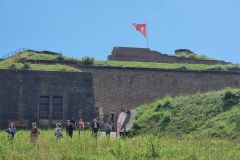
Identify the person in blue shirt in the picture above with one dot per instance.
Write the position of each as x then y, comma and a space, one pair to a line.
11, 131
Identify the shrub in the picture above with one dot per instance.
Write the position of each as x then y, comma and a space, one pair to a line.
237, 121
60, 57
233, 67
218, 68
12, 66
26, 66
230, 98
18, 59
182, 68
72, 60
165, 103
87, 60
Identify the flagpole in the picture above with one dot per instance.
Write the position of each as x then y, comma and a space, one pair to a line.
147, 33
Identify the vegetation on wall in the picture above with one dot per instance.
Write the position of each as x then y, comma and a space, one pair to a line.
177, 66
19, 62
189, 54
21, 58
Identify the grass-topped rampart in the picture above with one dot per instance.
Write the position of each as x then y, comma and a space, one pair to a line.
44, 61
213, 114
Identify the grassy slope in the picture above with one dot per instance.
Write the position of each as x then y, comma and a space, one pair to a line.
214, 114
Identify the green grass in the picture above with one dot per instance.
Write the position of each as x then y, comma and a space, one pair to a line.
41, 56
199, 67
144, 147
193, 55
213, 114
53, 67
153, 65
16, 62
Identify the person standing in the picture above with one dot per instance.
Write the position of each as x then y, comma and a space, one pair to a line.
81, 123
34, 133
108, 128
11, 131
95, 127
58, 131
69, 128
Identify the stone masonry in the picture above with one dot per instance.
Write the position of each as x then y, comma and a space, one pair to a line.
20, 92
147, 55
117, 87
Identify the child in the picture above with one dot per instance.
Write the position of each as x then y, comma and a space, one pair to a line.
81, 124
11, 131
34, 133
58, 131
108, 128
69, 128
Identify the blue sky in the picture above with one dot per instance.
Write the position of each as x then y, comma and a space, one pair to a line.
79, 28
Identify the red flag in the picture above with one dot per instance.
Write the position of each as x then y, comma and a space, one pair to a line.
141, 28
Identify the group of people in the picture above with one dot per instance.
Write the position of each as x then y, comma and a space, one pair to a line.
70, 126
12, 131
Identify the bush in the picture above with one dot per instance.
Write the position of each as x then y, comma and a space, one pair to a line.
164, 104
12, 66
26, 66
237, 121
230, 98
18, 59
60, 57
217, 68
87, 60
233, 67
73, 60
182, 68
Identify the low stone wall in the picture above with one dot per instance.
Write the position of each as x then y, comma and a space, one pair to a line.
146, 55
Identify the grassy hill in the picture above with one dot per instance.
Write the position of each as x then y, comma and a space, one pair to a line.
213, 114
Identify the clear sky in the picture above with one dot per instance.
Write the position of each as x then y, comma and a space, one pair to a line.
79, 28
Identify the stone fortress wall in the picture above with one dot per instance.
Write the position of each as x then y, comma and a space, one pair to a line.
147, 55
70, 93
117, 87
102, 88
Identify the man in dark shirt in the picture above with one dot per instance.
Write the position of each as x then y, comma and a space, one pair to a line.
95, 127
69, 128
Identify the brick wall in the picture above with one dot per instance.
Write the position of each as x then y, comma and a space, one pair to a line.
20, 91
109, 88
146, 55
116, 88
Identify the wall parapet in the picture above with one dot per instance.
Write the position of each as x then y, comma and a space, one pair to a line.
147, 55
